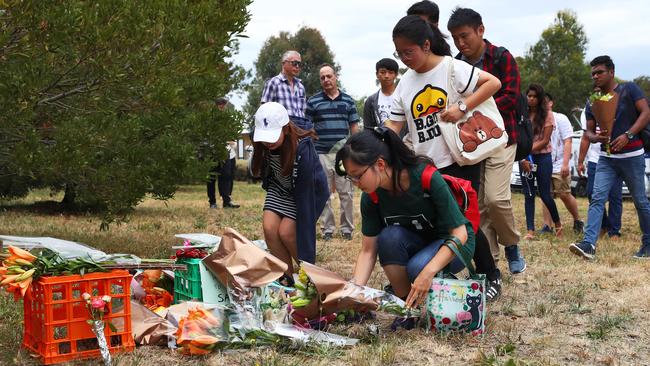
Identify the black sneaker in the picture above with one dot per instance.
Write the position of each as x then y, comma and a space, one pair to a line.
643, 253
402, 322
583, 249
493, 289
578, 226
346, 236
230, 205
327, 236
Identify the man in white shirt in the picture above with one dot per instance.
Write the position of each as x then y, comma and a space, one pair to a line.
377, 107
561, 178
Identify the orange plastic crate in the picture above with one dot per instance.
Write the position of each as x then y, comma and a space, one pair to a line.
55, 316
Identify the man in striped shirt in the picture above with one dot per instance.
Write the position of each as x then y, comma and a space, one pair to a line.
286, 89
335, 117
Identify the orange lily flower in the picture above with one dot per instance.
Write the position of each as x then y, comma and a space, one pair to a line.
15, 289
24, 285
8, 279
21, 253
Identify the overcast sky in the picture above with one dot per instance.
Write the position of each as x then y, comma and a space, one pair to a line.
359, 31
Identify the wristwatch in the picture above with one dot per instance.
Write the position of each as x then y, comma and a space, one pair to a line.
462, 107
629, 135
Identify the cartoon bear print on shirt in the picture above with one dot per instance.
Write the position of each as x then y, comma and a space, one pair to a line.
476, 130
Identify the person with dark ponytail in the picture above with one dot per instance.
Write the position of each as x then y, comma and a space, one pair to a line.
420, 101
406, 226
427, 10
296, 188
540, 155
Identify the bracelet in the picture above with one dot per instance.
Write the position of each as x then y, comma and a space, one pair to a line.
454, 240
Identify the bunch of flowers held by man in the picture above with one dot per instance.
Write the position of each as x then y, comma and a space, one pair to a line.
603, 107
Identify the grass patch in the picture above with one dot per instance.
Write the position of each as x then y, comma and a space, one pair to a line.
543, 317
604, 326
11, 335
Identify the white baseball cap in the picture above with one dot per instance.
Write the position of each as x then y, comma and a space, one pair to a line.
269, 120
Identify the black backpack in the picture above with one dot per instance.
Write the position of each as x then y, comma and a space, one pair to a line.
645, 134
523, 127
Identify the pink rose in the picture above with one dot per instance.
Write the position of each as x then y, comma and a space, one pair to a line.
97, 303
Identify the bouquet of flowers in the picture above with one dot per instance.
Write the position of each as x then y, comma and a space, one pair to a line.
201, 331
20, 267
17, 271
97, 307
190, 250
334, 295
157, 298
603, 107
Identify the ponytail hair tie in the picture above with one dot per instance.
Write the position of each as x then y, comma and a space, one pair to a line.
381, 132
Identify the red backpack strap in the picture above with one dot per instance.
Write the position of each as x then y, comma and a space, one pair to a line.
374, 198
427, 173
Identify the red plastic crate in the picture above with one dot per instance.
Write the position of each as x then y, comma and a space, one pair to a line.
55, 316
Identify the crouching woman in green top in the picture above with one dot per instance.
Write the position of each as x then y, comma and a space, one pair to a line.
407, 227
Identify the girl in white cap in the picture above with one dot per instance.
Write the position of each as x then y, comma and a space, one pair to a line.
296, 188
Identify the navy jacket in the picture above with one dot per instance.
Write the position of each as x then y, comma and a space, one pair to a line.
310, 191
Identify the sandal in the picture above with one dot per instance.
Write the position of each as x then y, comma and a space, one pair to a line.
558, 231
529, 236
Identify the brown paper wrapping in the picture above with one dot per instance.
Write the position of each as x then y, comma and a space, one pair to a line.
240, 264
148, 327
336, 293
605, 113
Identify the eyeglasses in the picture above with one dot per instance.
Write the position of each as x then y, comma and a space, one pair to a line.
357, 179
295, 63
407, 54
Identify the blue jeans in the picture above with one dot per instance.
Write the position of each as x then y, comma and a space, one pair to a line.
543, 177
608, 170
402, 247
612, 220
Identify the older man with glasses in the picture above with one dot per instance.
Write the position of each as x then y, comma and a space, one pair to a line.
335, 118
286, 89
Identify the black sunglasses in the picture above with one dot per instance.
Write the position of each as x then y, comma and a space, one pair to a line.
295, 63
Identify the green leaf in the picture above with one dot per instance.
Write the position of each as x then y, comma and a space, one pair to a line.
112, 327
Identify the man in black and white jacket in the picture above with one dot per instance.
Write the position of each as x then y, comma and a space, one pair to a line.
377, 107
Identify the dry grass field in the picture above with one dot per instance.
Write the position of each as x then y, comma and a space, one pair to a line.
561, 311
